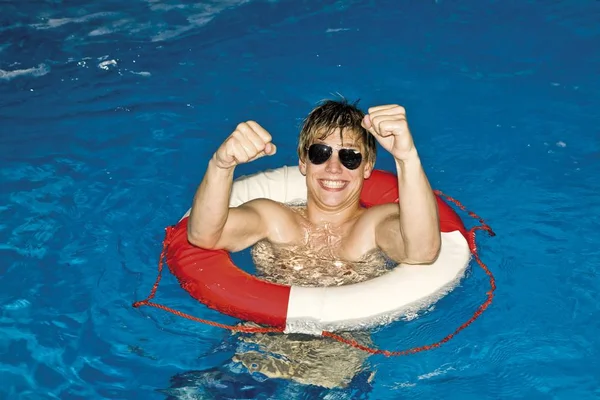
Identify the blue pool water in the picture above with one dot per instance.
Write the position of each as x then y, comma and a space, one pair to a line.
110, 110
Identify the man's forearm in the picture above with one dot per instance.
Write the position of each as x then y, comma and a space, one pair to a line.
210, 207
419, 220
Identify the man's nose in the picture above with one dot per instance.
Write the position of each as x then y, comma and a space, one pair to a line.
334, 165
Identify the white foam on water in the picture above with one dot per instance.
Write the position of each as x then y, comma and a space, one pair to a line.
145, 24
113, 27
58, 22
108, 64
156, 6
40, 70
435, 373
142, 73
407, 384
198, 16
332, 30
171, 33
17, 305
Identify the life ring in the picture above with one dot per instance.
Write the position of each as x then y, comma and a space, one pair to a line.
211, 277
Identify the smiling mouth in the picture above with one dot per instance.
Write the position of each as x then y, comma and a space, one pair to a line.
332, 185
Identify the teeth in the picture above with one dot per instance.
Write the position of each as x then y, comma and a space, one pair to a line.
333, 184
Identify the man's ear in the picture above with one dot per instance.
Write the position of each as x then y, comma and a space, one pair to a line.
368, 168
302, 166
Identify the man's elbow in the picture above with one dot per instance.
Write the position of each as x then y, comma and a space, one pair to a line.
202, 241
425, 254
430, 256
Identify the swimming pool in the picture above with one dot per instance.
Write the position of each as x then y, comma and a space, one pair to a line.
110, 111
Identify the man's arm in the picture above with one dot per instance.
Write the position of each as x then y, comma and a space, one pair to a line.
409, 233
212, 224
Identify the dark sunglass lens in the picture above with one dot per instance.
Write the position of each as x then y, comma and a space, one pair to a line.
351, 159
319, 153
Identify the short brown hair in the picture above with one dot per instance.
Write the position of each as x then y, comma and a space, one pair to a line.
330, 115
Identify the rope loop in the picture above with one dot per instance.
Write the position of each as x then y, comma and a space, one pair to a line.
387, 353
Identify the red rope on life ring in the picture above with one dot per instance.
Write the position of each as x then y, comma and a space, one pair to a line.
212, 278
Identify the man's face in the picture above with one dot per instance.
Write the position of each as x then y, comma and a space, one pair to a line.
331, 184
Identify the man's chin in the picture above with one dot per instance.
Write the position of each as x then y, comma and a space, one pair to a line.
332, 200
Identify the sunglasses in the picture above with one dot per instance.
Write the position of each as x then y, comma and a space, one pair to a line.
319, 153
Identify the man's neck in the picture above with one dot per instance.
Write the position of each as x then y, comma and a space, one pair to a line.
319, 215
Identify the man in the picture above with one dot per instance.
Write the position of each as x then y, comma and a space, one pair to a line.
331, 240
336, 153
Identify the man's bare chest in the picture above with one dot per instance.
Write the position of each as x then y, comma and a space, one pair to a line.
342, 242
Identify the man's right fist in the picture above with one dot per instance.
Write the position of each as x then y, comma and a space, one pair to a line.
248, 142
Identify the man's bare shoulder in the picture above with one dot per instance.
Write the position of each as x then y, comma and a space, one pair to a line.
263, 205
281, 221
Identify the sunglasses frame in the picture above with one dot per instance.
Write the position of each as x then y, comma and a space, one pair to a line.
348, 157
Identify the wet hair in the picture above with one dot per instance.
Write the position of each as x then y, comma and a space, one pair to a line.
330, 115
